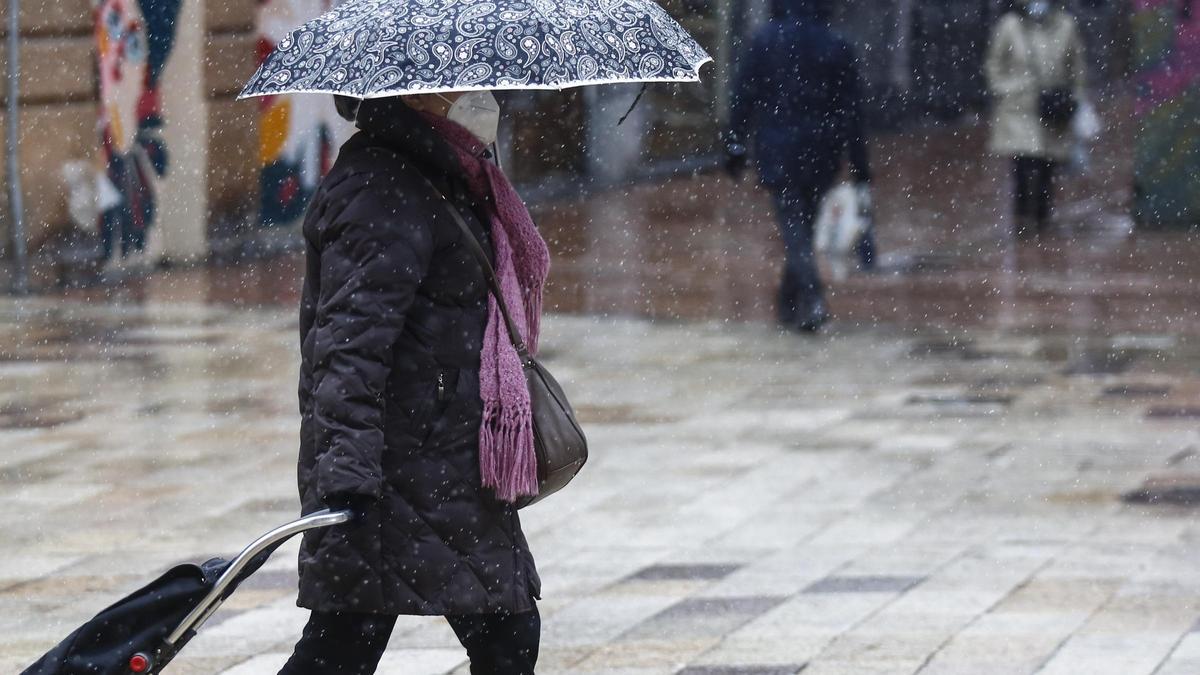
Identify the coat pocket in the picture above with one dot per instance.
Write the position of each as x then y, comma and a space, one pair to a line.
445, 391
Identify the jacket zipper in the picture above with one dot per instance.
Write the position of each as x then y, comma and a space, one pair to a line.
441, 385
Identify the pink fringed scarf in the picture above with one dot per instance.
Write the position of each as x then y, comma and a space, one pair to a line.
507, 461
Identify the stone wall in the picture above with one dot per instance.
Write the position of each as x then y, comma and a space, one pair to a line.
58, 109
233, 125
58, 87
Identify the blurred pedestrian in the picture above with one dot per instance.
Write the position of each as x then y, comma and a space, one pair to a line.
797, 103
404, 390
1036, 73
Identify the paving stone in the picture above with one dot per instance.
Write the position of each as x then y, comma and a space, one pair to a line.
903, 443
786, 572
646, 655
1184, 658
271, 579
943, 348
406, 661
253, 631
1137, 391
1179, 667
1169, 490
1005, 643
796, 514
260, 665
861, 529
1008, 381
862, 667
703, 617
1130, 653
1164, 412
595, 621
199, 664
960, 400
742, 670
683, 572
796, 631
896, 647
863, 585
420, 661
1100, 363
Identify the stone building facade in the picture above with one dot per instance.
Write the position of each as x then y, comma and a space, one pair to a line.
58, 109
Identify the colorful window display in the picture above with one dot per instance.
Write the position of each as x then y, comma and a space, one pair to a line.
1168, 75
134, 40
299, 136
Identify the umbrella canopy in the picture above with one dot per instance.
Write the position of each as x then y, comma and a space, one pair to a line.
377, 48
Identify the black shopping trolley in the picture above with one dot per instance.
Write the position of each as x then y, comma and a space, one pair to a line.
142, 632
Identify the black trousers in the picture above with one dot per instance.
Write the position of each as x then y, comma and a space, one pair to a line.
352, 644
1035, 189
800, 289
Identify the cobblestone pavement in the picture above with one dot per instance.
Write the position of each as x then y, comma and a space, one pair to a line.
877, 500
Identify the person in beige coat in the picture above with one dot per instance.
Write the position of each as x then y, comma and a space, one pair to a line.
1034, 50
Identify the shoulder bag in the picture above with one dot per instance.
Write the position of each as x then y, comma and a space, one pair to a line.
1057, 105
559, 442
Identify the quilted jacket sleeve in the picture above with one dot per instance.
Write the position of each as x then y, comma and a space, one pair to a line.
373, 257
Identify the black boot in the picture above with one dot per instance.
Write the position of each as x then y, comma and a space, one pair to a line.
812, 316
788, 305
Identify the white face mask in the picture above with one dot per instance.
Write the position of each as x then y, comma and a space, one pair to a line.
478, 112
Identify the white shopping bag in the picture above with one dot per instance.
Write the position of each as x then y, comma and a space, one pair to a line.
89, 193
1086, 128
1086, 125
841, 222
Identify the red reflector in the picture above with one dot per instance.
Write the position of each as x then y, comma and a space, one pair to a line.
138, 663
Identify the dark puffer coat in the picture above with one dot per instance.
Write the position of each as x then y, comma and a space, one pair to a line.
391, 324
799, 97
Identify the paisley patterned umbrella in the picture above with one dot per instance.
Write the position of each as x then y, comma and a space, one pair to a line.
376, 48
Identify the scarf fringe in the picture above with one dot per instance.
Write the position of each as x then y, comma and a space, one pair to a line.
507, 459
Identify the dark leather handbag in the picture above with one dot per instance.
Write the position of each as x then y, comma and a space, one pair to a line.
559, 442
1057, 107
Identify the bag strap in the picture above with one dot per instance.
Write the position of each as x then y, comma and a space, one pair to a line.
489, 272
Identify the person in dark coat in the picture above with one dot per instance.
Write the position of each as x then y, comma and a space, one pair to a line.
797, 103
392, 324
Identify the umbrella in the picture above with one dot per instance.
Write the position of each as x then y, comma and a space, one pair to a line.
377, 48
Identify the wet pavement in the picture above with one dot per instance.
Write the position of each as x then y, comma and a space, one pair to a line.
704, 247
874, 501
989, 464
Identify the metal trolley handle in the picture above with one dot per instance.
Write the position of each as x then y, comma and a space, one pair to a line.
265, 543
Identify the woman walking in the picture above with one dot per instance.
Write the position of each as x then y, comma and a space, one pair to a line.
402, 390
416, 413
1036, 73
